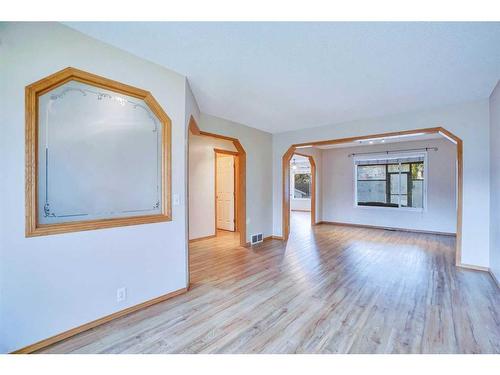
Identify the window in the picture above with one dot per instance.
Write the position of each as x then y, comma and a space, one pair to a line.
98, 155
302, 185
391, 182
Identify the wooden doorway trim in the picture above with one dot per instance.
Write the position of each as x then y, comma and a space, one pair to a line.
313, 185
234, 154
241, 164
437, 130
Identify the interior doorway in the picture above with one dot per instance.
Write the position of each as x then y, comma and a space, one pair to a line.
202, 202
301, 192
306, 183
288, 155
203, 148
225, 190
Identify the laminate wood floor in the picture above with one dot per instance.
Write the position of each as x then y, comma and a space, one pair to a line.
332, 289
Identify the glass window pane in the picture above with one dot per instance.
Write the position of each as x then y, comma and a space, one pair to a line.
403, 188
393, 168
394, 183
405, 167
405, 184
371, 172
417, 171
302, 185
417, 194
371, 192
403, 200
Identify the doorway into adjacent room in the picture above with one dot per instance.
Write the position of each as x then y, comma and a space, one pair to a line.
216, 193
301, 192
225, 190
388, 183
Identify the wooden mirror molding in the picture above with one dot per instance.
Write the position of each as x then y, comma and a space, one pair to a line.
437, 130
103, 91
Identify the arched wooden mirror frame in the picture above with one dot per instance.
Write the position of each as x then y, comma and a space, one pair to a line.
32, 94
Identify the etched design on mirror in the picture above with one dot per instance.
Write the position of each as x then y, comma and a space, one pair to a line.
94, 142
101, 95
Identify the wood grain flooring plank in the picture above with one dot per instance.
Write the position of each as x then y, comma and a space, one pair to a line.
328, 289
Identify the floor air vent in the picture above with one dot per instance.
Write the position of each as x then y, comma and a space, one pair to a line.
256, 238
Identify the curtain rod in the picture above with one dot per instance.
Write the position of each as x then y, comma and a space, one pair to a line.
393, 151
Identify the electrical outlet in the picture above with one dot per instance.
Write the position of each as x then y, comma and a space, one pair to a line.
121, 294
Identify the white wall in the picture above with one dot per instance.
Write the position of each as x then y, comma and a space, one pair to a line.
495, 181
440, 214
258, 147
303, 204
192, 109
469, 121
54, 283
202, 183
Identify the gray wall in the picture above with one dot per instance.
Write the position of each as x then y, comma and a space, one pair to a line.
495, 181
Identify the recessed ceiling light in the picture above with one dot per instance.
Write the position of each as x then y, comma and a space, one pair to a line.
371, 142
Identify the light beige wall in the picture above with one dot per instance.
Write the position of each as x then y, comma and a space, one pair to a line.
258, 147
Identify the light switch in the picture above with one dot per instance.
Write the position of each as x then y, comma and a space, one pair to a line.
177, 200
121, 294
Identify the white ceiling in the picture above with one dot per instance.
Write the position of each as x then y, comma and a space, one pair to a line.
384, 140
285, 76
300, 159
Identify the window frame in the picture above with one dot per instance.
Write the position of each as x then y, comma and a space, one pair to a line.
47, 84
386, 156
293, 186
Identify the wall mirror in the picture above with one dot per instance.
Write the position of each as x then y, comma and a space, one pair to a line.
98, 155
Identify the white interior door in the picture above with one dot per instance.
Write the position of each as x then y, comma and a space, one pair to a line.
225, 192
